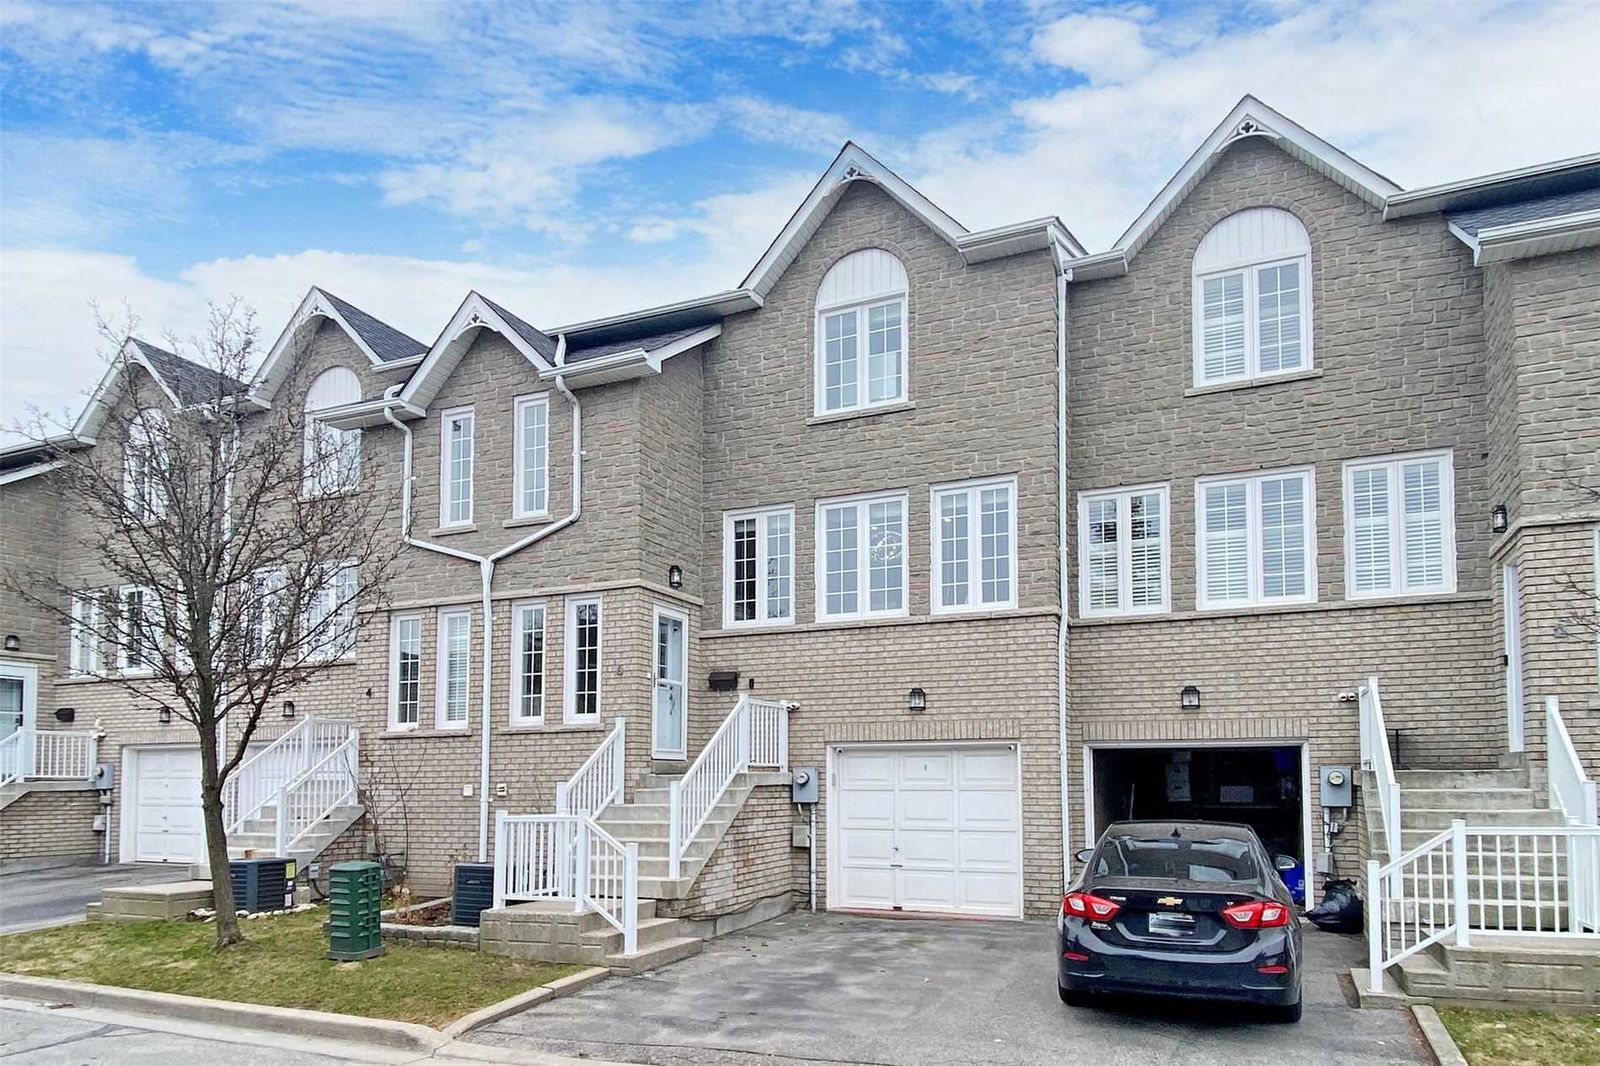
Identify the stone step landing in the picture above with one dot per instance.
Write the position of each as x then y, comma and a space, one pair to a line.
551, 932
1513, 969
144, 903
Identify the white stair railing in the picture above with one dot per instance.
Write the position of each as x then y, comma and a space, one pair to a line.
256, 782
48, 755
1571, 791
598, 782
755, 733
567, 857
11, 761
1416, 900
327, 785
1375, 757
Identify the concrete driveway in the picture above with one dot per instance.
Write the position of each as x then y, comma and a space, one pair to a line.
38, 896
834, 989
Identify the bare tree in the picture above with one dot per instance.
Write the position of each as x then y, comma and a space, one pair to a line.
238, 533
1581, 592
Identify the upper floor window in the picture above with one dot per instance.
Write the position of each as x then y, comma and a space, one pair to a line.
527, 664
86, 632
455, 467
1252, 298
139, 628
329, 625
861, 333
1257, 540
975, 546
861, 553
332, 457
758, 567
144, 456
1123, 539
530, 491
1399, 525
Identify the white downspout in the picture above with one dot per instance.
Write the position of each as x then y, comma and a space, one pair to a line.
486, 571
1062, 278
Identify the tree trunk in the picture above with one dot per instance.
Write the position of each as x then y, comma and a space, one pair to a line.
217, 842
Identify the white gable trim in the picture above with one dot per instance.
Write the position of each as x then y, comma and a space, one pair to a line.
23, 473
473, 315
314, 307
632, 363
106, 392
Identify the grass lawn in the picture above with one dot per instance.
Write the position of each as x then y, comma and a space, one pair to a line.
283, 965
1524, 1038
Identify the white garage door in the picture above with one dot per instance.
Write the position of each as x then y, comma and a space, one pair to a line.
167, 826
927, 829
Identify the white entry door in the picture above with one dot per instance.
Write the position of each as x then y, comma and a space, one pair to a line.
671, 672
18, 695
926, 828
167, 824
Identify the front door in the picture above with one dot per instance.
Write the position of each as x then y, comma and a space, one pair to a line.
1512, 591
18, 691
671, 670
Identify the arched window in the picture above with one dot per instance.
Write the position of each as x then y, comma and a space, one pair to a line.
861, 333
332, 456
1252, 298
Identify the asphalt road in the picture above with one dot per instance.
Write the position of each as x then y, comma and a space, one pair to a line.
56, 895
833, 989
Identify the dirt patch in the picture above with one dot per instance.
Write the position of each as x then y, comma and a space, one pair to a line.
436, 913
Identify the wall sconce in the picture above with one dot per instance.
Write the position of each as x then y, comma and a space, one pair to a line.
13, 642
288, 708
916, 701
1499, 519
1189, 698
675, 576
165, 716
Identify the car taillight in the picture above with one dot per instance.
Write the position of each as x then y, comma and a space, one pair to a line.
1262, 914
1083, 905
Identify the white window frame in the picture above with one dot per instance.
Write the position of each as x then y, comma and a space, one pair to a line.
1251, 269
341, 446
267, 587
861, 502
1397, 535
87, 655
153, 617
862, 307
447, 419
441, 685
520, 472
143, 493
520, 611
337, 641
569, 655
973, 491
1253, 481
1124, 500
762, 517
395, 622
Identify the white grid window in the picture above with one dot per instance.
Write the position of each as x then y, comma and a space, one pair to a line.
330, 618
531, 478
85, 638
266, 613
861, 545
1399, 515
583, 660
143, 463
974, 546
139, 628
455, 467
455, 661
758, 567
1252, 304
1257, 540
527, 664
1123, 551
405, 672
861, 333
332, 457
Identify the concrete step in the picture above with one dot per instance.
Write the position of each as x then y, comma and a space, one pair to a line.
656, 956
1471, 799
658, 780
667, 888
1462, 778
652, 931
657, 849
1436, 819
1410, 838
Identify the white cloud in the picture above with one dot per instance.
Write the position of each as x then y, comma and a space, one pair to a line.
774, 123
1103, 48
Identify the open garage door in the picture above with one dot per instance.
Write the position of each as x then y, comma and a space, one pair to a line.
1262, 786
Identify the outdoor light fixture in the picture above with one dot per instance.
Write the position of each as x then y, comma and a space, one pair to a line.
916, 701
1189, 698
13, 642
165, 716
675, 576
1498, 520
288, 708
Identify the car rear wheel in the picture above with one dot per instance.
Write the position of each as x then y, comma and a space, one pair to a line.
1071, 996
1288, 1015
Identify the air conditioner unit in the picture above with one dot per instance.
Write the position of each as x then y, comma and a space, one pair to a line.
474, 892
262, 884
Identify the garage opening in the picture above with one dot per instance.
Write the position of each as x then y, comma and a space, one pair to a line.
1259, 786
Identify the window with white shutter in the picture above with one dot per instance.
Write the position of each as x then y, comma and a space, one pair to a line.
1123, 551
1256, 540
1252, 304
454, 665
1399, 525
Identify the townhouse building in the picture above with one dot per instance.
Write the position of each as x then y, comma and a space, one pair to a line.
1000, 539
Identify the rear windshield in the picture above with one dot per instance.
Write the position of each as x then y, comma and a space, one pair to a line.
1180, 858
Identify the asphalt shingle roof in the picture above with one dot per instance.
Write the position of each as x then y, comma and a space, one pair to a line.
386, 342
541, 341
1567, 203
649, 343
189, 381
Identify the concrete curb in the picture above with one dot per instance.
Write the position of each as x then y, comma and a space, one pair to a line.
563, 986
312, 1023
1439, 1040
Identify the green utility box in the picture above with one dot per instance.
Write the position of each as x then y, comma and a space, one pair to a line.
355, 891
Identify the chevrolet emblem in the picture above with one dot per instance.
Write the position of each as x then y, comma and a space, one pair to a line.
1170, 901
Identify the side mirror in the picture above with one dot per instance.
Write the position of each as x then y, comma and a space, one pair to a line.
1285, 862
1084, 854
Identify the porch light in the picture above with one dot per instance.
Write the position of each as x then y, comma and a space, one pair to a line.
165, 716
288, 708
13, 642
675, 576
1498, 520
916, 701
1189, 698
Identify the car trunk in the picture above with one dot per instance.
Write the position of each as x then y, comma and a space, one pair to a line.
1172, 915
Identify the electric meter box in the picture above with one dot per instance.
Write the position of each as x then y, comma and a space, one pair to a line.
1337, 790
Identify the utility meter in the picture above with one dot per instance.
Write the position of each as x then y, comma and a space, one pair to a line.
1336, 791
804, 786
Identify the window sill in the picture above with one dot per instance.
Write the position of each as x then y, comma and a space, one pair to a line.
1265, 610
401, 734
861, 412
885, 620
446, 531
527, 520
1254, 383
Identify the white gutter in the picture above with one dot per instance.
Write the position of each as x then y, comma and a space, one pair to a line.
486, 570
1063, 276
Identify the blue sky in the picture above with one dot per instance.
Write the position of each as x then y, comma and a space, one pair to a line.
571, 160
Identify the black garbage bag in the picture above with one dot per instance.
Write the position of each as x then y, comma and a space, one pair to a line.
1340, 909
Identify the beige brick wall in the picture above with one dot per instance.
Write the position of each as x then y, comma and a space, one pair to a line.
49, 825
30, 537
755, 860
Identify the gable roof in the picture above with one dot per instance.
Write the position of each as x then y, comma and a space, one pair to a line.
476, 313
1543, 225
385, 347
184, 382
383, 340
537, 339
1541, 209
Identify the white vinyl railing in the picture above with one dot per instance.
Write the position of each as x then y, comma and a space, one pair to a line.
258, 780
567, 857
48, 755
309, 798
1413, 901
755, 733
1571, 791
1375, 757
598, 782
